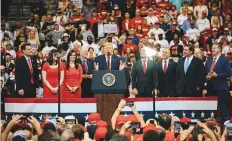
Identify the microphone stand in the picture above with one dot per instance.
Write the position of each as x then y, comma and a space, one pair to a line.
58, 62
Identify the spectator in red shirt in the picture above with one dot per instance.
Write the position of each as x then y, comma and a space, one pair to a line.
145, 27
93, 19
127, 23
137, 20
130, 45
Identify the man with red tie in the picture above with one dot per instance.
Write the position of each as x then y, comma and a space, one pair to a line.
108, 61
142, 74
166, 75
88, 68
26, 73
219, 69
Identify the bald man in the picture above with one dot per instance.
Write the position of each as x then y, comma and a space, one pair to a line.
166, 75
88, 68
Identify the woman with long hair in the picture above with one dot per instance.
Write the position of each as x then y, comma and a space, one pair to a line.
33, 41
91, 54
73, 77
50, 75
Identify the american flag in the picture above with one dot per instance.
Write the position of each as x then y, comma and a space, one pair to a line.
194, 108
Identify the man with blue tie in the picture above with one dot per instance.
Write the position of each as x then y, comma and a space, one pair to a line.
108, 61
190, 74
219, 69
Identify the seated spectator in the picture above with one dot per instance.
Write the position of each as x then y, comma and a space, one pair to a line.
91, 55
6, 40
11, 51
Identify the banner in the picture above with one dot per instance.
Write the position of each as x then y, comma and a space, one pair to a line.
110, 28
194, 108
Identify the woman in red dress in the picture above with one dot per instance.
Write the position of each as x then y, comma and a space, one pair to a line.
73, 77
50, 75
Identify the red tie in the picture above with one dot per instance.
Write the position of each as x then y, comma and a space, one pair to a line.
108, 62
165, 67
31, 70
213, 64
144, 66
85, 67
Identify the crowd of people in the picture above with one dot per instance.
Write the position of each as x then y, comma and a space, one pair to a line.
167, 49
122, 128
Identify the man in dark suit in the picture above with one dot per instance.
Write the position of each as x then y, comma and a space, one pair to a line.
143, 76
8, 65
219, 69
166, 75
26, 73
88, 68
108, 61
190, 74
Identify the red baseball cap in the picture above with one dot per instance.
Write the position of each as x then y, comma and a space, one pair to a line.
94, 117
185, 120
100, 133
121, 119
149, 127
102, 123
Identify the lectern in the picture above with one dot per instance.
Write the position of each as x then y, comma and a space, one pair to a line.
109, 88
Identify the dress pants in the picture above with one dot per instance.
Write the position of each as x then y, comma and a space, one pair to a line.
222, 104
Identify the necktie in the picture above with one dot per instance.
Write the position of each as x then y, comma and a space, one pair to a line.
85, 67
108, 62
213, 64
7, 66
165, 67
144, 66
31, 70
186, 65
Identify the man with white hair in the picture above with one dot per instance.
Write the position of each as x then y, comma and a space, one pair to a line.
66, 135
88, 68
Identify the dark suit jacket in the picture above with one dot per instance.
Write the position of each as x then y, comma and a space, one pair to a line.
192, 82
166, 82
23, 76
95, 30
101, 60
86, 83
143, 82
10, 68
223, 71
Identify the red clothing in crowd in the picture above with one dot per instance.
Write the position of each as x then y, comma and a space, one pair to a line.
196, 2
51, 76
137, 21
145, 29
170, 136
140, 3
19, 54
74, 19
129, 22
132, 46
140, 35
157, 13
92, 20
144, 11
73, 78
